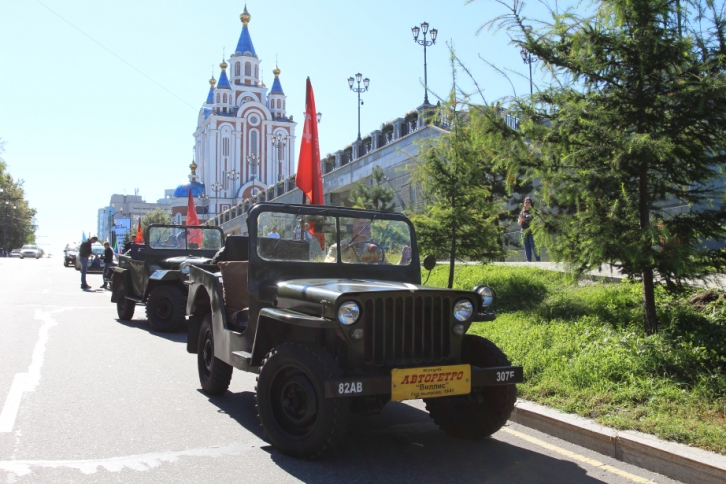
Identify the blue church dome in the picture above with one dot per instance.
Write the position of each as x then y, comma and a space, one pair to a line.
182, 191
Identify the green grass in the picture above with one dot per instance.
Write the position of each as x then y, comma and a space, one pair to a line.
583, 351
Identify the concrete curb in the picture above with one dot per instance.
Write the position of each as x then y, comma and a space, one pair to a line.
676, 461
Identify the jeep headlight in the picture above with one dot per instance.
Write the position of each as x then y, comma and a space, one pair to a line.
348, 312
487, 295
184, 267
463, 309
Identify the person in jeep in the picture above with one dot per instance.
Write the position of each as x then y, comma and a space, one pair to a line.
357, 248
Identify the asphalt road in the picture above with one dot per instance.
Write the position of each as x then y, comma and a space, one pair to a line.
87, 398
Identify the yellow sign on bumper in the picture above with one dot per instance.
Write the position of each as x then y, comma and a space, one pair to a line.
429, 382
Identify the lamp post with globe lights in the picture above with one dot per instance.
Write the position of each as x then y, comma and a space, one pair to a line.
234, 176
216, 188
358, 90
528, 59
426, 43
204, 199
278, 142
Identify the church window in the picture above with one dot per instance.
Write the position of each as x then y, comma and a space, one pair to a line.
236, 69
283, 104
278, 104
257, 71
253, 142
248, 69
225, 147
217, 97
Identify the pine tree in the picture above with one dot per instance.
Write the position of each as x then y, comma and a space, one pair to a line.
156, 216
634, 119
455, 172
376, 196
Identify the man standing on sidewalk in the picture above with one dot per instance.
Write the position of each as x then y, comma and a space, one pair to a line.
84, 253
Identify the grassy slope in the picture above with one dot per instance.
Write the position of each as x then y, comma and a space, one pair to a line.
584, 352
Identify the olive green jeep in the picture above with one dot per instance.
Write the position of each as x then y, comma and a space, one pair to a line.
154, 272
326, 305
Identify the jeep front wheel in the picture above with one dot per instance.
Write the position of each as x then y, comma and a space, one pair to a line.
485, 410
165, 308
214, 374
291, 403
124, 307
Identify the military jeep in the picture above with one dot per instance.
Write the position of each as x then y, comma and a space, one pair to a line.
337, 322
153, 273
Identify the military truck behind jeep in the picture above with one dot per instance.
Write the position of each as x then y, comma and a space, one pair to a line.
334, 319
153, 273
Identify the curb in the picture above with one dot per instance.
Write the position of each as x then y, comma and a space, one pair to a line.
677, 461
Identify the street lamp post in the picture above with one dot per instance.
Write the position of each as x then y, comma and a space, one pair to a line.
234, 176
254, 160
279, 142
204, 198
359, 90
426, 43
216, 188
528, 59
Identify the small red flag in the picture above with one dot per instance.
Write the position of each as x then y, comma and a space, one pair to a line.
139, 234
194, 235
309, 177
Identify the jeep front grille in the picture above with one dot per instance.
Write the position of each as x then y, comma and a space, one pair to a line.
402, 330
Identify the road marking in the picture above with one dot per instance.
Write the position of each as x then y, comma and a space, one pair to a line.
577, 457
27, 382
140, 462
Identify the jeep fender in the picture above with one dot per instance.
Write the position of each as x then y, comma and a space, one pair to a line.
274, 326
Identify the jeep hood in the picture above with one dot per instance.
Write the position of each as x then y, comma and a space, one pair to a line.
316, 290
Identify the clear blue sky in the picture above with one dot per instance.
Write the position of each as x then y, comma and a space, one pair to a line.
79, 124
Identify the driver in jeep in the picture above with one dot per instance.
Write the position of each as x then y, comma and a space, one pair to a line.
357, 248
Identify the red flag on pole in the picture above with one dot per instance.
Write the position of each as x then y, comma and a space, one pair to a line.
139, 234
194, 235
309, 178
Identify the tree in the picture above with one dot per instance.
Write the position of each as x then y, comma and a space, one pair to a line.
156, 216
455, 174
16, 216
634, 118
376, 196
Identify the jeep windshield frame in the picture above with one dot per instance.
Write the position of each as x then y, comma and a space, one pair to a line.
263, 267
160, 237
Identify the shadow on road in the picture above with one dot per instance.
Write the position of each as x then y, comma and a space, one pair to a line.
402, 444
143, 324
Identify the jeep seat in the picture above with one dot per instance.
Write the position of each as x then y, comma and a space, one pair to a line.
237, 248
234, 287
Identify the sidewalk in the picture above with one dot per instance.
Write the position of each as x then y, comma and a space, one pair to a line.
613, 274
677, 461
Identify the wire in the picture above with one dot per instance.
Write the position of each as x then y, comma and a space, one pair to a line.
114, 54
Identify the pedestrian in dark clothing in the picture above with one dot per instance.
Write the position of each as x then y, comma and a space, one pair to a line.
525, 219
84, 252
108, 263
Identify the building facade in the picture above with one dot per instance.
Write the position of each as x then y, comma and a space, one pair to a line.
244, 139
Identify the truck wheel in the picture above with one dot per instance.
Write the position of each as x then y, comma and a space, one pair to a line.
124, 307
484, 410
291, 403
165, 308
214, 374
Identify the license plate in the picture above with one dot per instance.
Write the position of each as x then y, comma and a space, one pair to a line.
430, 381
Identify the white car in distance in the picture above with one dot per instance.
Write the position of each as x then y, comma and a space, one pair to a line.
30, 251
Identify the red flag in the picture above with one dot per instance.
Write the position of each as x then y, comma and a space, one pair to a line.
194, 235
139, 234
309, 178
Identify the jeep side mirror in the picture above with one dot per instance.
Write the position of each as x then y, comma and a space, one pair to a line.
429, 262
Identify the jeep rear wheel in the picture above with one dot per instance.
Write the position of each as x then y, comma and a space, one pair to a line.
165, 308
214, 374
124, 307
291, 403
485, 410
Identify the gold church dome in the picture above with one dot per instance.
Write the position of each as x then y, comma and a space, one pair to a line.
245, 16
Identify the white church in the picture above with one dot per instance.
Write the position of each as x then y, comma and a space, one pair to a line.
244, 141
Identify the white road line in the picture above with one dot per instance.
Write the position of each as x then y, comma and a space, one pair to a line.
140, 462
27, 382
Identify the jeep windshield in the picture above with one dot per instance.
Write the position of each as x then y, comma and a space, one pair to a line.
370, 238
178, 237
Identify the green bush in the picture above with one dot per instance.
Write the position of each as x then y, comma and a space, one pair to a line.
583, 351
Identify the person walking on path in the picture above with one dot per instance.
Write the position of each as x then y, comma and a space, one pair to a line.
108, 264
525, 219
84, 253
